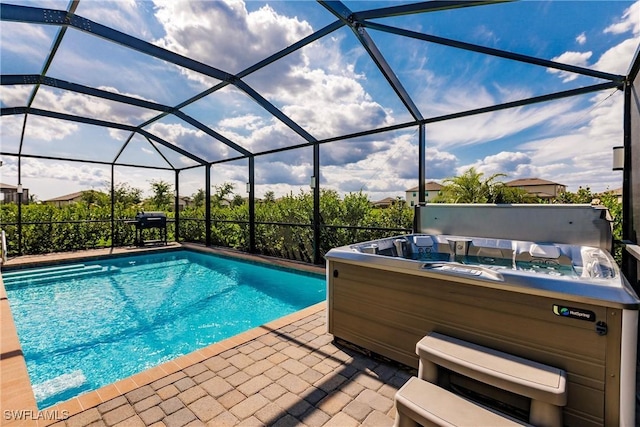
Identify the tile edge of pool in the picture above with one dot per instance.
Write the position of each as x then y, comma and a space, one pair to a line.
16, 393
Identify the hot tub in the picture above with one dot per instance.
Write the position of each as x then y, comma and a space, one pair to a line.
536, 281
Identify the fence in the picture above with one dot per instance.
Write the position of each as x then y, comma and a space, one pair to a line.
284, 240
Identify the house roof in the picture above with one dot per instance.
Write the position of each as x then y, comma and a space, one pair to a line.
429, 186
385, 201
7, 186
68, 197
524, 182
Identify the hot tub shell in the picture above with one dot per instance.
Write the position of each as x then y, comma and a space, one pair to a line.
493, 276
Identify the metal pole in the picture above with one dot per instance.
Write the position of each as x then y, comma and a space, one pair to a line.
207, 205
629, 264
19, 206
316, 203
176, 222
422, 154
113, 209
252, 206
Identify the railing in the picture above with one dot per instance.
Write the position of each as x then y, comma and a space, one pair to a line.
59, 236
288, 240
3, 247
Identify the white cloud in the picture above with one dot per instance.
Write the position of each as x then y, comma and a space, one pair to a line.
580, 59
319, 87
15, 96
85, 176
31, 42
486, 127
618, 59
326, 100
40, 128
224, 34
581, 38
123, 15
249, 121
191, 140
584, 151
630, 21
389, 172
504, 162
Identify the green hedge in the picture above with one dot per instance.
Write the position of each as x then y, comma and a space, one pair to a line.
46, 228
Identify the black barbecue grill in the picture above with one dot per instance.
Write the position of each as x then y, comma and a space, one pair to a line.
146, 220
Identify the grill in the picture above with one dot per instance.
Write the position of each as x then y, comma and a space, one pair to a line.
148, 220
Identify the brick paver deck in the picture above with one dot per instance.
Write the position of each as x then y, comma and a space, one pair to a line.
291, 376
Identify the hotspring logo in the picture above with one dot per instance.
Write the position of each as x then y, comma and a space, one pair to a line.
574, 313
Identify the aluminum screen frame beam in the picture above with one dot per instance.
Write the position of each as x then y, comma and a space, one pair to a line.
103, 123
27, 79
422, 7
16, 79
494, 52
346, 15
93, 162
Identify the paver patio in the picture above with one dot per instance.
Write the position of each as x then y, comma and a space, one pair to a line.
291, 376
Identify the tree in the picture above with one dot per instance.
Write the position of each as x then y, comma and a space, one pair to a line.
161, 194
583, 195
223, 191
126, 195
501, 193
95, 198
237, 200
198, 198
470, 188
269, 197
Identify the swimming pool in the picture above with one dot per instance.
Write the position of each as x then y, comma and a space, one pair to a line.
85, 325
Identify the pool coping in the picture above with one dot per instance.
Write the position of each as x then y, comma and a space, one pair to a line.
16, 393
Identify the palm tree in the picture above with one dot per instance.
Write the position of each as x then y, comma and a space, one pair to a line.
470, 188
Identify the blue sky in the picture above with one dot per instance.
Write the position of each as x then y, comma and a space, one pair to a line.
330, 88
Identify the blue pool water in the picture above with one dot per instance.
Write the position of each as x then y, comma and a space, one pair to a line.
83, 326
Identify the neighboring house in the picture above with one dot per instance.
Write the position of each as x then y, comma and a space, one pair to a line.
432, 189
386, 202
65, 200
184, 202
9, 194
538, 187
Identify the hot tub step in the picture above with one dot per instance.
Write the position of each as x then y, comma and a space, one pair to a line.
419, 402
544, 385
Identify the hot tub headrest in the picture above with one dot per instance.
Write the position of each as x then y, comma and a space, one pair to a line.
584, 225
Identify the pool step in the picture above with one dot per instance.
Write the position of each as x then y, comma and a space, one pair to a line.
48, 272
154, 265
46, 277
64, 383
43, 270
